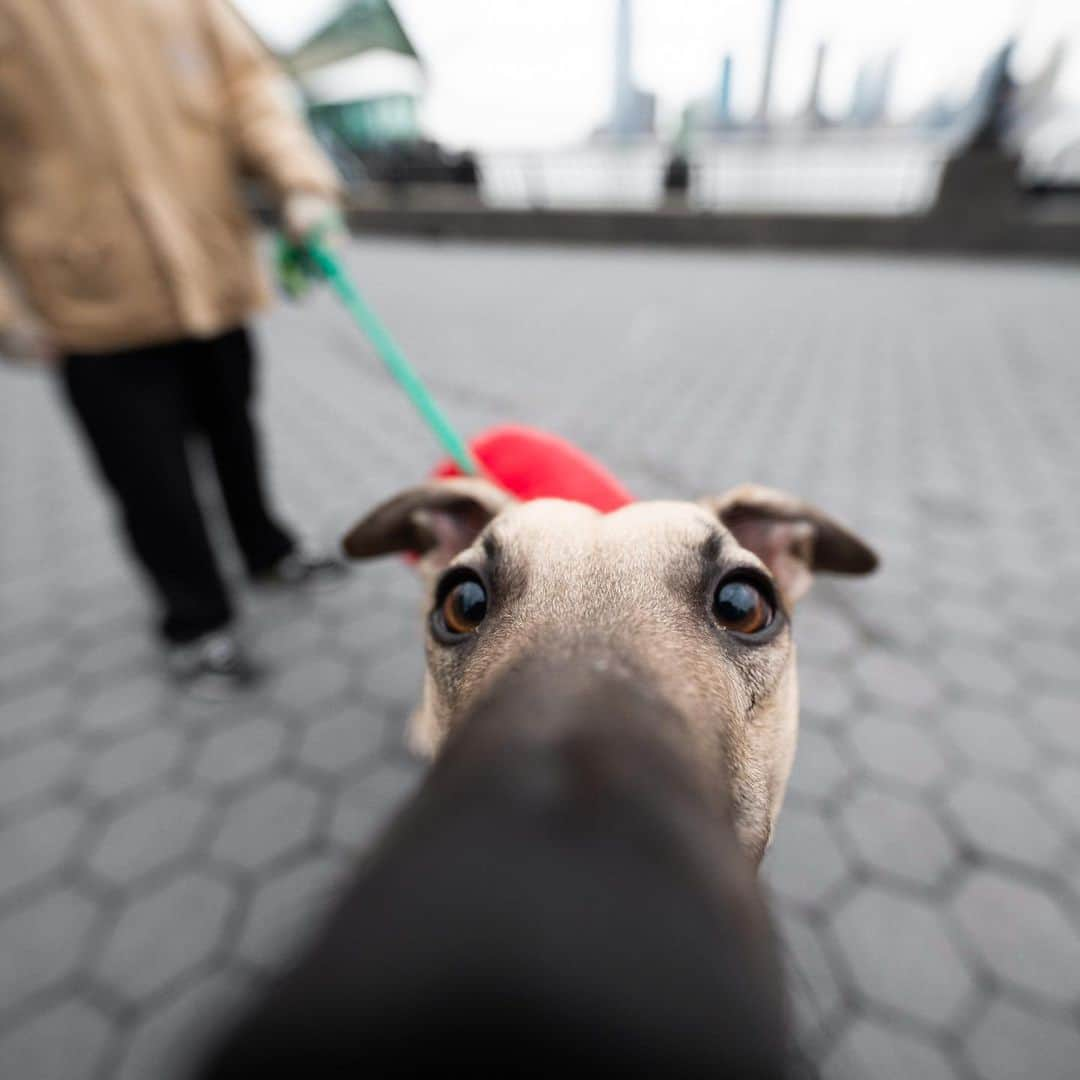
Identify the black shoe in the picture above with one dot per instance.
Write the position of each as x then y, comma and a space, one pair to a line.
213, 663
301, 569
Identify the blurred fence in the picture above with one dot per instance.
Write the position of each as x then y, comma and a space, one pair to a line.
584, 177
802, 172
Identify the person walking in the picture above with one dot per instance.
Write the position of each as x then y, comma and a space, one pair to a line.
126, 130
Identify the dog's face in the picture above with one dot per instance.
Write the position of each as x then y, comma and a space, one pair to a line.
693, 599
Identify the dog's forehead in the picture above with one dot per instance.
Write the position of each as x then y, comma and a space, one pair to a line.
642, 531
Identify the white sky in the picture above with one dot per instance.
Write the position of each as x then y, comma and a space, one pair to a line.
516, 73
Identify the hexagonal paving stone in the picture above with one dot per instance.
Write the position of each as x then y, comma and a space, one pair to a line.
117, 654
898, 836
1001, 822
286, 639
240, 751
896, 681
24, 620
42, 943
67, 1040
276, 818
148, 835
819, 770
1034, 607
824, 693
1056, 721
956, 573
34, 771
364, 807
34, 713
396, 677
336, 742
287, 909
1010, 1043
899, 751
31, 663
965, 621
134, 762
990, 738
883, 609
809, 979
350, 594
163, 934
313, 683
110, 605
870, 1050
365, 631
33, 847
123, 705
900, 630
824, 634
172, 1040
804, 864
1062, 790
1050, 661
901, 956
1021, 934
977, 672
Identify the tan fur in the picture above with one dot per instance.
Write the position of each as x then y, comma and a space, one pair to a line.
630, 590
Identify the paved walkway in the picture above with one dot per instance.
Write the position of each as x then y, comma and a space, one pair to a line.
157, 859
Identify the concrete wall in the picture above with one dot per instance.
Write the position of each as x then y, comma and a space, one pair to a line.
1017, 231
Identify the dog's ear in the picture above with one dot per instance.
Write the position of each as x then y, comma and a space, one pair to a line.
792, 538
434, 520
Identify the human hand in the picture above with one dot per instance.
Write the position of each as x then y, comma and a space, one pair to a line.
306, 215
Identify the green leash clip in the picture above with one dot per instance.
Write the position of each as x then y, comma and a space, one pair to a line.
294, 269
300, 264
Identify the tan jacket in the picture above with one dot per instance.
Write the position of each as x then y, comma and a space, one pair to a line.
125, 126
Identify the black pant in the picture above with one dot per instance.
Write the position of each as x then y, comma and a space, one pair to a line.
137, 408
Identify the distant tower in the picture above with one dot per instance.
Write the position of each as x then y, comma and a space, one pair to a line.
772, 35
721, 102
633, 111
1033, 97
873, 85
622, 122
886, 78
812, 116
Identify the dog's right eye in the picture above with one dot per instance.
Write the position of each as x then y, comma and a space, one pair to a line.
461, 610
740, 605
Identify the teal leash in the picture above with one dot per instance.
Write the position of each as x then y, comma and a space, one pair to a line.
297, 264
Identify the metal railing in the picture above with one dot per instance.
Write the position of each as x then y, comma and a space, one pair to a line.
812, 172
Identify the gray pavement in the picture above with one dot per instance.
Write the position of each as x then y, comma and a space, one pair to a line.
158, 858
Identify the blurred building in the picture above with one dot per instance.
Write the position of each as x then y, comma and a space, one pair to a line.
771, 39
812, 115
633, 111
362, 82
361, 75
713, 111
873, 84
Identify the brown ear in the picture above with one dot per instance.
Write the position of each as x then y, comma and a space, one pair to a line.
434, 520
792, 538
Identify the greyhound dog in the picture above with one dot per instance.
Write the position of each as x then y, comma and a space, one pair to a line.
692, 599
611, 703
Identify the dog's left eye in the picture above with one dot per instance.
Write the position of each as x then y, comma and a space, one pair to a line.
741, 606
461, 610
